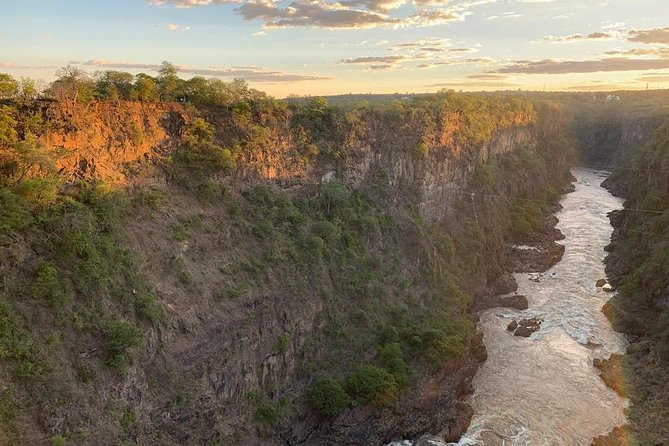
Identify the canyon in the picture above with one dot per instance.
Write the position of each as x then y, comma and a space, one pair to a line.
220, 262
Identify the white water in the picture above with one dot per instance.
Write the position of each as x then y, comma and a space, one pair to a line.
544, 390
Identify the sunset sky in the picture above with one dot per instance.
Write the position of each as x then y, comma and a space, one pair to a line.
325, 47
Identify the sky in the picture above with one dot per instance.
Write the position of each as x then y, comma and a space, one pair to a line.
325, 47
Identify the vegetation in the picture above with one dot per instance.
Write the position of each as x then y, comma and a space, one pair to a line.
370, 384
328, 397
638, 309
76, 285
392, 288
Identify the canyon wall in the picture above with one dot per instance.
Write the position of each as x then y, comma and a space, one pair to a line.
330, 240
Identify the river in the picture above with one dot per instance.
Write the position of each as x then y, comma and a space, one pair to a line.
544, 390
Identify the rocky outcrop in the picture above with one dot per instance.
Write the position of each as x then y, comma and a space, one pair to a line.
102, 139
515, 301
437, 178
524, 327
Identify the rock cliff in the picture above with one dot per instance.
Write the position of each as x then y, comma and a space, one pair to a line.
331, 241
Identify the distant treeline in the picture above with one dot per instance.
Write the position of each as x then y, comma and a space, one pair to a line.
74, 84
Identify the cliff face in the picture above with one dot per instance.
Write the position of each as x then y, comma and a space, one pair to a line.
264, 289
104, 140
637, 265
610, 133
98, 141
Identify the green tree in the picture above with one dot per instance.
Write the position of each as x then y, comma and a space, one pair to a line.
27, 156
27, 89
328, 397
146, 89
370, 384
121, 337
9, 87
8, 125
168, 81
113, 85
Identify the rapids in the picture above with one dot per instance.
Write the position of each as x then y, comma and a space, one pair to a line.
544, 390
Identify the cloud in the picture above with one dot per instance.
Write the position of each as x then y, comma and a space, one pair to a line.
343, 14
435, 43
250, 73
313, 13
375, 5
374, 59
655, 78
580, 37
656, 35
175, 27
419, 54
656, 52
488, 76
550, 66
598, 87
506, 15
377, 62
190, 3
10, 65
616, 30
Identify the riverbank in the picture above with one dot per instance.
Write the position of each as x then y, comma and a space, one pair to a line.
639, 374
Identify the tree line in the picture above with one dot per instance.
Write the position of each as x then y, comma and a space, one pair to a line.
76, 85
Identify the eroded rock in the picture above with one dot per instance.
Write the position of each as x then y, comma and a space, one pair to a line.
525, 327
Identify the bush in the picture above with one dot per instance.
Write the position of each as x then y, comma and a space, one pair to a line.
121, 337
146, 307
152, 198
370, 384
392, 359
328, 397
58, 440
209, 192
13, 214
49, 288
282, 343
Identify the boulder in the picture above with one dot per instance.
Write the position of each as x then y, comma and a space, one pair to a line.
512, 326
608, 288
527, 326
600, 283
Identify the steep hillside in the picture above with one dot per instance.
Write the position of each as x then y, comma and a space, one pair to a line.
632, 136
638, 264
261, 272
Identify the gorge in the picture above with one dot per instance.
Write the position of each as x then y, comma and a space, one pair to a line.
292, 272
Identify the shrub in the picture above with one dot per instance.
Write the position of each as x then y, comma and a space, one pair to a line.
328, 397
326, 231
49, 288
370, 384
208, 192
121, 337
152, 198
146, 307
392, 359
13, 214
263, 229
58, 440
282, 343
